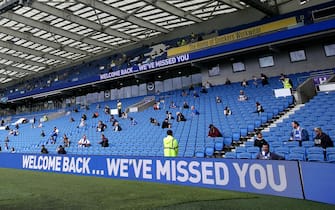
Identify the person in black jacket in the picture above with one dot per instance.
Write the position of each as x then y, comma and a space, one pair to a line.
259, 140
104, 141
265, 154
321, 139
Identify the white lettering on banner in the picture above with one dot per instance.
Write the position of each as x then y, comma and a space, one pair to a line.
51, 163
120, 167
163, 170
207, 172
265, 176
183, 171
76, 165
218, 166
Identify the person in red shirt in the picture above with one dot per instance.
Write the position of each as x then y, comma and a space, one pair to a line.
213, 131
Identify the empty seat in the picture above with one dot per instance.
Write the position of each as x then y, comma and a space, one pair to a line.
296, 156
244, 155
316, 157
230, 155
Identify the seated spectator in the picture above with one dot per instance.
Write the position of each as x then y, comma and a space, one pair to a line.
166, 124
6, 139
54, 135
107, 110
44, 150
298, 133
242, 96
16, 126
185, 105
195, 94
156, 106
117, 127
82, 123
169, 115
191, 88
173, 105
95, 115
71, 119
194, 111
203, 90
228, 82
6, 147
218, 100
42, 133
214, 131
265, 154
84, 142
208, 85
61, 150
66, 141
154, 121
113, 120
321, 139
259, 140
227, 111
264, 79
124, 115
183, 93
244, 83
12, 150
104, 141
133, 121
84, 117
255, 82
101, 127
259, 108
180, 117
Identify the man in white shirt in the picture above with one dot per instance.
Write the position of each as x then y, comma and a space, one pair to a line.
84, 142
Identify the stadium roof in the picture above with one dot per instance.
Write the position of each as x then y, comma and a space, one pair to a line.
38, 35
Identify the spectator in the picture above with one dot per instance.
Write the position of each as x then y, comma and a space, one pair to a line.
71, 119
44, 150
169, 115
95, 115
170, 145
183, 93
82, 123
66, 141
101, 126
203, 90
191, 88
264, 79
255, 82
259, 140
104, 141
265, 154
195, 94
166, 123
244, 83
54, 135
194, 111
119, 107
61, 150
298, 133
84, 117
185, 105
133, 121
180, 117
227, 111
214, 131
124, 115
259, 108
6, 139
156, 106
84, 142
287, 82
321, 139
33, 122
242, 96
12, 150
117, 127
208, 85
42, 133
173, 105
228, 82
218, 100
113, 120
154, 121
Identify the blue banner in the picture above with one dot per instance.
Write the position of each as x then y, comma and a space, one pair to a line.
318, 181
266, 177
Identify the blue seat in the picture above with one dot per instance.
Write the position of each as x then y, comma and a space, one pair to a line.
308, 144
283, 150
218, 146
316, 157
244, 132
330, 151
253, 150
199, 154
291, 144
209, 151
296, 156
240, 149
231, 155
244, 155
300, 150
227, 140
236, 136
314, 150
276, 144
331, 158
249, 144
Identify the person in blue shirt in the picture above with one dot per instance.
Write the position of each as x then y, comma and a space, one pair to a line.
298, 133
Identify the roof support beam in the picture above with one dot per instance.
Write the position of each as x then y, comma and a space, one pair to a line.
79, 20
233, 3
15, 69
21, 60
123, 15
30, 51
30, 37
54, 30
174, 10
263, 7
